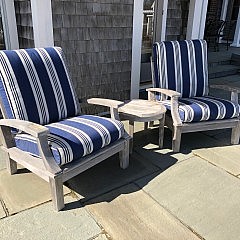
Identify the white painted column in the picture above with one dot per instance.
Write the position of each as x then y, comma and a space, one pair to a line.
42, 23
224, 10
136, 47
160, 20
196, 19
9, 24
236, 40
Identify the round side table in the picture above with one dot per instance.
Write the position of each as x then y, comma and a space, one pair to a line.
138, 110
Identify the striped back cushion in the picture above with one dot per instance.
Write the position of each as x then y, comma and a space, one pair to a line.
181, 66
35, 85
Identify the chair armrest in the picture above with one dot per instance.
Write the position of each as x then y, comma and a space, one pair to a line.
174, 102
112, 104
38, 131
234, 91
105, 102
168, 92
226, 87
31, 128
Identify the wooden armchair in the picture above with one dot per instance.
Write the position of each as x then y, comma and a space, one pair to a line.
43, 129
180, 82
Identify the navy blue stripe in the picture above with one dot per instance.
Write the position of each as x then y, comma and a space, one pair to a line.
199, 68
45, 83
63, 78
170, 66
76, 145
24, 86
185, 68
4, 98
229, 107
95, 136
108, 124
156, 68
197, 109
213, 108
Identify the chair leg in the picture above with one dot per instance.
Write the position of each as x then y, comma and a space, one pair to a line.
235, 134
177, 132
11, 165
124, 155
56, 186
151, 124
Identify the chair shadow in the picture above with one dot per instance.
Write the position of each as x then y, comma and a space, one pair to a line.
107, 181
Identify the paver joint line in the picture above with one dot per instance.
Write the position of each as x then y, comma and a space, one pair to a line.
4, 207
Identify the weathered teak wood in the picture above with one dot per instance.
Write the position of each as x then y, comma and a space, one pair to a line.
138, 110
46, 167
178, 128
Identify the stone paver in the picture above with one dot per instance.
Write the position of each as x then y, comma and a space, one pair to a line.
43, 223
23, 190
2, 160
202, 196
129, 213
107, 176
163, 158
223, 157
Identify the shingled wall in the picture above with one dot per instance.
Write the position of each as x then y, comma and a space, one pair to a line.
96, 36
24, 23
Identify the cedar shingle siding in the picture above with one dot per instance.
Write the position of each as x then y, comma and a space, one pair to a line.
96, 36
24, 23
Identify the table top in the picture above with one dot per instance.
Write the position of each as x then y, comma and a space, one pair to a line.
142, 109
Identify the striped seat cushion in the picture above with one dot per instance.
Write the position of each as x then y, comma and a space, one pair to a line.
35, 85
205, 108
75, 137
181, 66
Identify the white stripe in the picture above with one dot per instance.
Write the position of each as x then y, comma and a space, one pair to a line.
189, 69
56, 86
164, 63
74, 96
64, 149
179, 75
80, 135
205, 67
35, 86
15, 97
103, 132
205, 108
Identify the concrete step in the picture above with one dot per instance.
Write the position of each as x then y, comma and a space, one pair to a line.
235, 59
222, 71
216, 62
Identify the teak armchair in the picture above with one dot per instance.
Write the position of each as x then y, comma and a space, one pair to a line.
43, 130
180, 82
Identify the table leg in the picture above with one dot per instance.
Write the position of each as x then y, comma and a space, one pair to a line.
131, 132
161, 131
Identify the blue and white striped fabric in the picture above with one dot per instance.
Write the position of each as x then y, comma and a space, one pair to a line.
204, 108
35, 85
75, 137
181, 66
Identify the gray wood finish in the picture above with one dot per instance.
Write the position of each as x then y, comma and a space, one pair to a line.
45, 166
138, 110
178, 127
